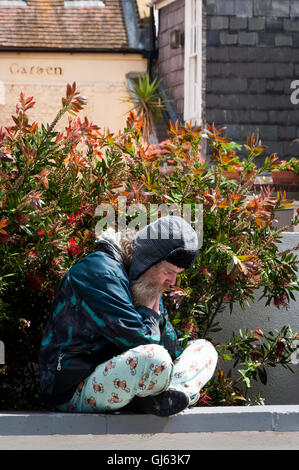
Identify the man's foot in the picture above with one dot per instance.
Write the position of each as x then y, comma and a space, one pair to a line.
166, 404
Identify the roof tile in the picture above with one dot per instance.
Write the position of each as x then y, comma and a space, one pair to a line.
50, 25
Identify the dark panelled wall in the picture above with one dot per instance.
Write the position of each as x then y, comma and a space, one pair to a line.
170, 62
252, 58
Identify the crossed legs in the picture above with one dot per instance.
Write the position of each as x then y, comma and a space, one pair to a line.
144, 371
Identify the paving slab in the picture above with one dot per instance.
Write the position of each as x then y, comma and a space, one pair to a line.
131, 444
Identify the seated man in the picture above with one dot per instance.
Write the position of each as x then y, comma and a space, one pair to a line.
108, 342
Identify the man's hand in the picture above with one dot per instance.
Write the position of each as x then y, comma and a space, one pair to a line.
154, 304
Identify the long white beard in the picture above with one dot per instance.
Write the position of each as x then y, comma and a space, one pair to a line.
144, 290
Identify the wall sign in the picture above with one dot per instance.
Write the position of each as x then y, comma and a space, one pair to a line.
35, 70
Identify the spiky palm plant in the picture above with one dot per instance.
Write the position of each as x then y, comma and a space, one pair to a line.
148, 103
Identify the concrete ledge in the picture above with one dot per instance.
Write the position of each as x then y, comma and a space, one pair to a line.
283, 418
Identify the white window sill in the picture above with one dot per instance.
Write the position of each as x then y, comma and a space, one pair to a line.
84, 3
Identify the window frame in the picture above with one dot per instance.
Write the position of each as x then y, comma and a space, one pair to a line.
193, 113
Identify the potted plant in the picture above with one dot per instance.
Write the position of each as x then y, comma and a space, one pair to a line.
148, 103
236, 169
287, 173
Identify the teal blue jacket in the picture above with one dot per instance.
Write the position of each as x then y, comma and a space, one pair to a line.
92, 320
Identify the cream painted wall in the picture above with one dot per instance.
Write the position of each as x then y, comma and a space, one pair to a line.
99, 77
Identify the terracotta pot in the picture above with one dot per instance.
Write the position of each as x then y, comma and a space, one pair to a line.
235, 175
285, 177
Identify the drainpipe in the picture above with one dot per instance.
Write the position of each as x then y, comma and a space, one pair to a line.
153, 51
131, 22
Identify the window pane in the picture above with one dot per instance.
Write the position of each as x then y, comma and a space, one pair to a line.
195, 84
192, 107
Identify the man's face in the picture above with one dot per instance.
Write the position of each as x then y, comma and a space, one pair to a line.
163, 274
153, 282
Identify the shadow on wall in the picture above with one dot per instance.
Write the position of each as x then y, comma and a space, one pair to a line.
282, 386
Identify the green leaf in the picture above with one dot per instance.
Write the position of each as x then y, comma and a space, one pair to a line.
230, 266
245, 378
228, 357
26, 230
262, 375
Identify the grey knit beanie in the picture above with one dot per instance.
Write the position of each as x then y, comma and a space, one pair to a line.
168, 238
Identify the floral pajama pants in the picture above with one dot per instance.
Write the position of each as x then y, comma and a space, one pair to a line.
142, 371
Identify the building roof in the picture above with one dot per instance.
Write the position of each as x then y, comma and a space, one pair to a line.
107, 25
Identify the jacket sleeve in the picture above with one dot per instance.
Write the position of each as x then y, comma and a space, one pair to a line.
107, 302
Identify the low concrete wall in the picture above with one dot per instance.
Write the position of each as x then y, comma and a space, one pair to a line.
282, 386
207, 419
256, 427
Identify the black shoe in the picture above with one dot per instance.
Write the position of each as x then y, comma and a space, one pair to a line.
166, 404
